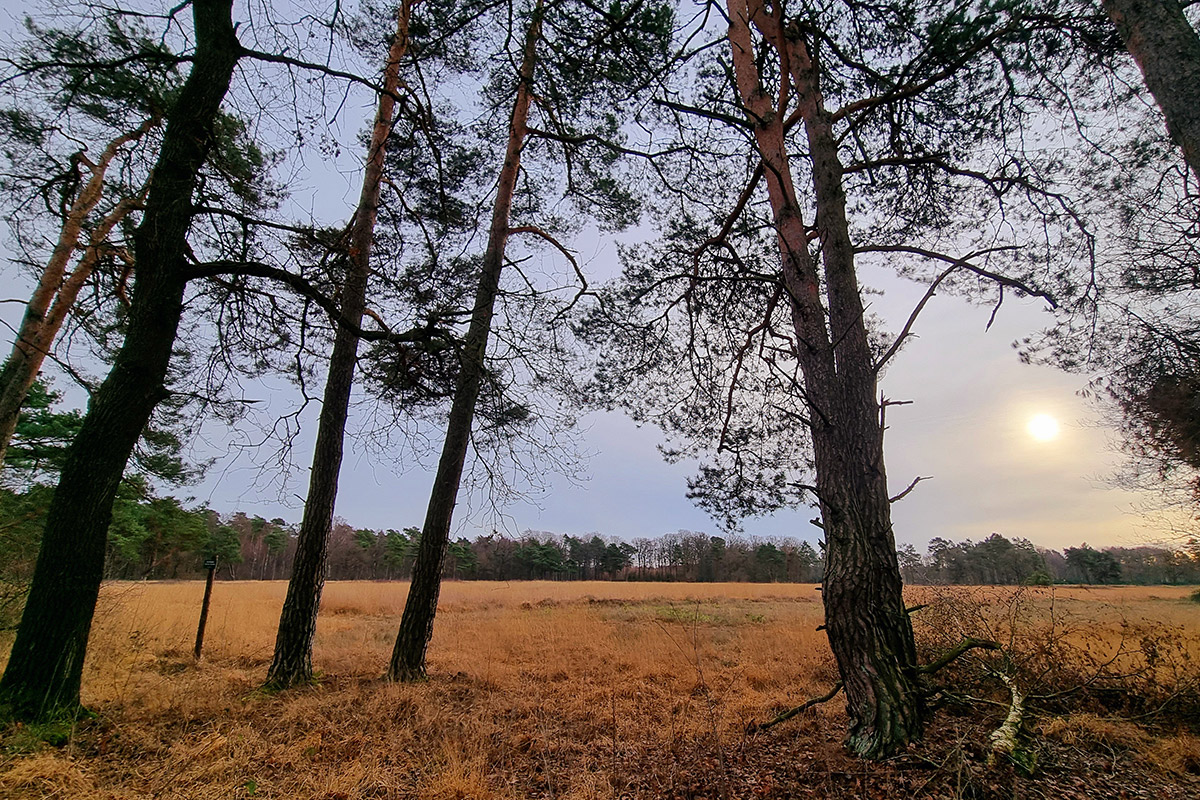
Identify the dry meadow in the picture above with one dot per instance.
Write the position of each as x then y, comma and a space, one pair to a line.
607, 690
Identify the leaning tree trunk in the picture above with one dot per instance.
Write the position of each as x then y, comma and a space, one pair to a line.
416, 625
43, 674
1167, 49
56, 290
869, 631
292, 663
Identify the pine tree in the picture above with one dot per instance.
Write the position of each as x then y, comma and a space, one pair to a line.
812, 139
292, 662
43, 673
576, 66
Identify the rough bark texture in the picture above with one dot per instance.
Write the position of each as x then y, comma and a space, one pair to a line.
43, 674
869, 631
416, 625
292, 663
56, 290
1167, 49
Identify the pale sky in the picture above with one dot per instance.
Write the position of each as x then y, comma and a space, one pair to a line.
966, 428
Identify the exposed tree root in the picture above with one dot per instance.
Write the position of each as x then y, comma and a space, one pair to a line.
758, 727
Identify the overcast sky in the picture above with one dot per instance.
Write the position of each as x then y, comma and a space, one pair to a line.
966, 428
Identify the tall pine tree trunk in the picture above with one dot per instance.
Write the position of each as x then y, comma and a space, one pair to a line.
868, 627
416, 625
56, 290
292, 663
869, 631
1167, 49
43, 674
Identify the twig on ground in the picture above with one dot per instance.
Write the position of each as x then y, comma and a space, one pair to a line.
756, 727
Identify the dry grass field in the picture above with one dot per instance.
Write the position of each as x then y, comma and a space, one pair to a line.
606, 690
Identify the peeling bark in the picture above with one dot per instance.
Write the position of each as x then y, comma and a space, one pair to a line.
56, 290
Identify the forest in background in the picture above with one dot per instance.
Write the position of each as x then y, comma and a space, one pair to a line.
160, 538
157, 538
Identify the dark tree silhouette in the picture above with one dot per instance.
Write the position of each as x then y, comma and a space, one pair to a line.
43, 673
292, 662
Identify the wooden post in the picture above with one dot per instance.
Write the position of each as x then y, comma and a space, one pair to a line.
210, 564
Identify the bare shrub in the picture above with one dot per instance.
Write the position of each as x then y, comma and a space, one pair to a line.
1089, 671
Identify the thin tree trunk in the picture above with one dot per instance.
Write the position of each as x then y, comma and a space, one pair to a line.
1167, 50
292, 663
43, 674
56, 291
416, 624
868, 629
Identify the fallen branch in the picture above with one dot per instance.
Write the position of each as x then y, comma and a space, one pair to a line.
955, 652
1003, 740
755, 727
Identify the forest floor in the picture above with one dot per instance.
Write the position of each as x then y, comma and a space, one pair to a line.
612, 690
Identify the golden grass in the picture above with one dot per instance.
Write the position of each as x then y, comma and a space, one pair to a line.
490, 631
565, 690
1177, 755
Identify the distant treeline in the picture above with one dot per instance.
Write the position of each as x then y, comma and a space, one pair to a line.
157, 538
997, 560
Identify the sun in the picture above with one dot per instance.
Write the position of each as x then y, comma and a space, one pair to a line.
1043, 427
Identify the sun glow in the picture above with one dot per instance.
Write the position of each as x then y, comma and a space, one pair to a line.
1043, 427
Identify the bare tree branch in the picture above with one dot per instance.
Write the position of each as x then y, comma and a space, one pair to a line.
304, 288
759, 727
911, 486
955, 264
970, 643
